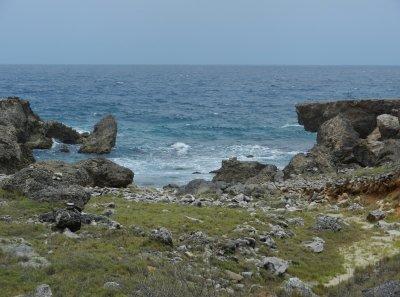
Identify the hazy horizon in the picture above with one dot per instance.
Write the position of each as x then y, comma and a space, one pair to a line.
189, 32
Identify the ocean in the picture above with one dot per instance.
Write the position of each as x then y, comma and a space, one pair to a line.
175, 121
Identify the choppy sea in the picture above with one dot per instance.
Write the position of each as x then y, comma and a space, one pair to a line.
177, 120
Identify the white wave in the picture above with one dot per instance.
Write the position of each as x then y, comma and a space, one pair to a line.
291, 125
180, 148
79, 130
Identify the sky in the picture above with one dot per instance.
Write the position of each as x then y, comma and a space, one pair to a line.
259, 32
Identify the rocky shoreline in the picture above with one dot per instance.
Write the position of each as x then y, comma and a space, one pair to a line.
343, 194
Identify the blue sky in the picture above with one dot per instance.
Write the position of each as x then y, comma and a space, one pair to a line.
200, 32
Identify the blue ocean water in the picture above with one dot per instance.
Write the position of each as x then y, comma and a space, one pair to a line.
176, 120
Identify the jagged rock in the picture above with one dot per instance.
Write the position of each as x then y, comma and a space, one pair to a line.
275, 265
162, 235
62, 132
338, 135
40, 182
376, 215
105, 173
316, 245
43, 290
267, 174
235, 171
29, 127
13, 156
295, 287
64, 218
103, 137
317, 160
328, 223
67, 219
387, 289
388, 125
60, 181
200, 186
361, 113
390, 152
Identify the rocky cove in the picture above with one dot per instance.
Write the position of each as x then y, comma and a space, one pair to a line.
318, 227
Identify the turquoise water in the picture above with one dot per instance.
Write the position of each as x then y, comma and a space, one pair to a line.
176, 120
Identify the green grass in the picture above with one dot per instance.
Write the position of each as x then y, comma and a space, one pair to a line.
80, 267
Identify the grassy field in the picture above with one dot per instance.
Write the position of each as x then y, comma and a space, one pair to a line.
80, 267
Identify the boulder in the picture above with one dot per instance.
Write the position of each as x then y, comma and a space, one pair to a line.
13, 156
103, 137
339, 137
328, 223
361, 113
162, 235
63, 218
295, 287
18, 113
376, 215
387, 289
43, 290
235, 171
389, 152
62, 133
316, 245
198, 187
275, 265
105, 173
388, 125
57, 181
317, 160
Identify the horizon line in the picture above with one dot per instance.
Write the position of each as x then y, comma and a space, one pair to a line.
183, 64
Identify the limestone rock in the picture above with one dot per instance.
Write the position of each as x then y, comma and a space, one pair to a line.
62, 133
387, 289
200, 186
328, 223
162, 235
13, 155
361, 113
316, 245
388, 125
295, 287
43, 290
105, 173
275, 265
376, 215
103, 137
338, 135
235, 171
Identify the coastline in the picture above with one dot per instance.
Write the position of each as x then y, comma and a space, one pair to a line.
252, 229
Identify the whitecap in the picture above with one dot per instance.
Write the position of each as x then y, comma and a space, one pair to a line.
180, 148
291, 125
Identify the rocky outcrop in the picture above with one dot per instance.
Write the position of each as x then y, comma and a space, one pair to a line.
339, 137
13, 155
199, 187
388, 125
105, 173
350, 134
235, 171
103, 137
62, 133
59, 181
361, 113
